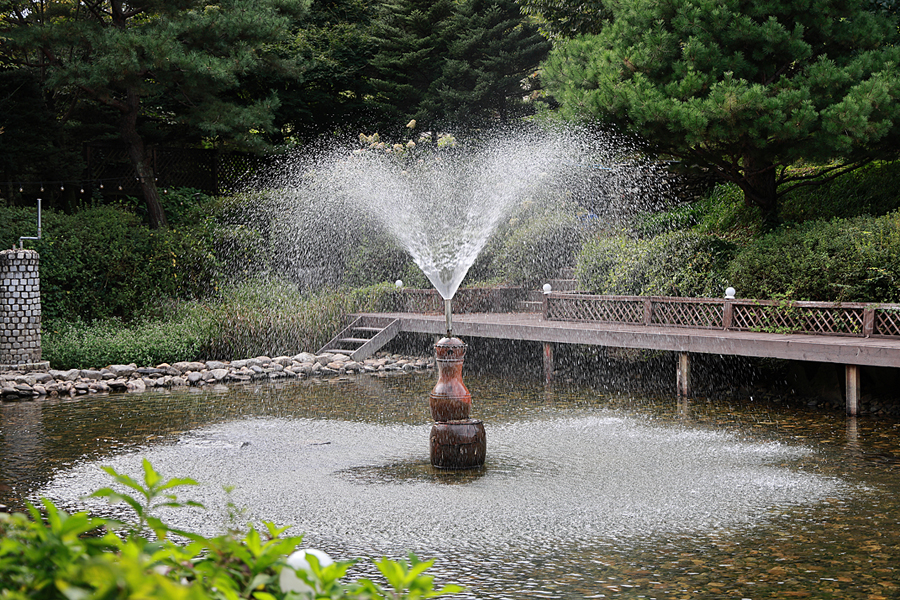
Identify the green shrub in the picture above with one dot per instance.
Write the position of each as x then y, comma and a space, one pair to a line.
723, 212
649, 224
379, 259
678, 263
258, 317
102, 262
76, 344
271, 317
870, 190
536, 250
850, 260
55, 555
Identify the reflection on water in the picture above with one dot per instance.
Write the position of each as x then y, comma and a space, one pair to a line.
581, 496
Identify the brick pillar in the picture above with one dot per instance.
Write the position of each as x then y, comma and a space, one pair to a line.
20, 310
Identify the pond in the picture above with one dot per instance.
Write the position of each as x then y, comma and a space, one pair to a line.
583, 494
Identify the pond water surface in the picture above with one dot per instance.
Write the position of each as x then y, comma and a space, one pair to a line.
583, 494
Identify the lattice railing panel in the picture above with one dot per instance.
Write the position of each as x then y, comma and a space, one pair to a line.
466, 300
776, 318
687, 314
819, 318
887, 321
604, 310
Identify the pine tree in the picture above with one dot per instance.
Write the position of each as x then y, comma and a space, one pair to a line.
494, 50
183, 58
459, 64
743, 87
411, 37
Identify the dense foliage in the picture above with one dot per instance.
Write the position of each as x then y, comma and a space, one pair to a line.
260, 317
841, 244
49, 554
676, 263
743, 88
181, 62
451, 65
103, 262
854, 259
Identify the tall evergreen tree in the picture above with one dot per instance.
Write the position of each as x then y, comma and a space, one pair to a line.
412, 37
452, 63
743, 87
184, 56
493, 51
327, 91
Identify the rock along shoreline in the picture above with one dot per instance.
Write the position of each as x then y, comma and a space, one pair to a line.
131, 378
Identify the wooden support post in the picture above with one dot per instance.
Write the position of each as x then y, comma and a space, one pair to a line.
683, 375
727, 314
851, 379
548, 362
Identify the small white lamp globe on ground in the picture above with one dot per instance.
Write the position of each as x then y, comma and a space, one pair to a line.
729, 293
288, 579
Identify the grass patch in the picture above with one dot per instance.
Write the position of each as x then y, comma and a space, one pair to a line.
260, 317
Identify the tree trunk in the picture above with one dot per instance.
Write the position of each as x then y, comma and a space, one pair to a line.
138, 156
760, 188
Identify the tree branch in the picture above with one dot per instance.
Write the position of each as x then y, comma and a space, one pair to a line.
825, 175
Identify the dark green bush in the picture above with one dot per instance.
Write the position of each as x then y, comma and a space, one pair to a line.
870, 190
102, 262
678, 263
535, 249
839, 260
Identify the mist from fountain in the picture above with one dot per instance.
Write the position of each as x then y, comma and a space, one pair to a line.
441, 199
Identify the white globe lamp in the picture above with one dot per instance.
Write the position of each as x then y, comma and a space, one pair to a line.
298, 560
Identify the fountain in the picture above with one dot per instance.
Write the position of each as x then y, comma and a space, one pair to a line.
457, 442
584, 494
441, 200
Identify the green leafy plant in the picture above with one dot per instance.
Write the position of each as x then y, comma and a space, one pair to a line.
407, 580
54, 555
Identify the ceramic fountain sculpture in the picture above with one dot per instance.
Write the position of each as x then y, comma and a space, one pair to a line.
457, 441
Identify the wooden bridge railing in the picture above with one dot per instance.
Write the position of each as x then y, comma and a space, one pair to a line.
773, 316
466, 300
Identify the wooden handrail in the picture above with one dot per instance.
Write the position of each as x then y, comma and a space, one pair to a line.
858, 319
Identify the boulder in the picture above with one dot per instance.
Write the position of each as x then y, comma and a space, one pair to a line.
121, 370
186, 366
135, 385
218, 374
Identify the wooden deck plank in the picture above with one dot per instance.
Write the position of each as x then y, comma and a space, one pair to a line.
879, 352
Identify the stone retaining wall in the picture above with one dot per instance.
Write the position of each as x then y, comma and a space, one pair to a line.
20, 309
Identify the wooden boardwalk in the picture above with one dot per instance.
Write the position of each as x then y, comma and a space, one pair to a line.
852, 352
